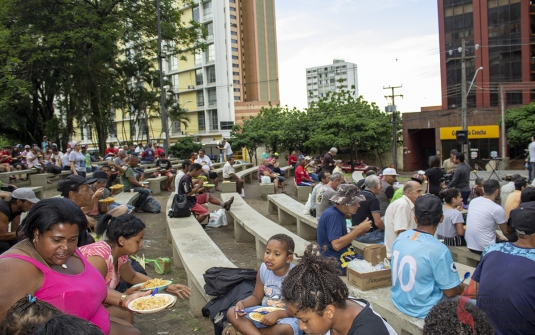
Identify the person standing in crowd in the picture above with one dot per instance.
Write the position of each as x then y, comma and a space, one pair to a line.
461, 177
451, 229
230, 175
129, 182
513, 200
506, 277
77, 160
265, 154
164, 168
328, 160
195, 200
292, 159
370, 209
89, 166
387, 189
22, 200
484, 217
434, 175
147, 156
531, 149
202, 159
45, 144
324, 178
326, 192
226, 150
449, 164
301, 176
399, 216
423, 271
332, 235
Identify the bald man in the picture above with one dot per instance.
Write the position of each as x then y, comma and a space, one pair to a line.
399, 216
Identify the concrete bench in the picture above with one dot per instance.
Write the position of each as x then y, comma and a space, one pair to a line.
381, 301
303, 192
465, 256
195, 252
38, 190
126, 198
241, 167
248, 174
4, 176
288, 169
266, 189
155, 182
291, 211
40, 179
251, 226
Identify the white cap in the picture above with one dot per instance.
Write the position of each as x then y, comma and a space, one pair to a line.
390, 172
421, 172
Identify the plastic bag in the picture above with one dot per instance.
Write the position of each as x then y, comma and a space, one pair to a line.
217, 219
361, 266
265, 180
308, 204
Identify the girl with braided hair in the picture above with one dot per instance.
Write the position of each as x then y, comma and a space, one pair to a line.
26, 315
277, 263
319, 299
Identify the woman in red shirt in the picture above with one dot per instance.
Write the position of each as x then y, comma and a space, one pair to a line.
292, 160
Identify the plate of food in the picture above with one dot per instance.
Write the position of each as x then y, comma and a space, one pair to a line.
151, 284
116, 187
152, 304
108, 200
208, 185
259, 313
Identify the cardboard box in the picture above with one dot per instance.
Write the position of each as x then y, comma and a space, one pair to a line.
374, 254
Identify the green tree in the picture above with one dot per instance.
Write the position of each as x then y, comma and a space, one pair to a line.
519, 125
184, 147
249, 136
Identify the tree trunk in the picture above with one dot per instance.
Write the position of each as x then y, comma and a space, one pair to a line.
378, 157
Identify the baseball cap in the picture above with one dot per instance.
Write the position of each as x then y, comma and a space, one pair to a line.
25, 193
347, 194
390, 172
27, 146
428, 206
100, 176
521, 218
71, 183
416, 177
84, 146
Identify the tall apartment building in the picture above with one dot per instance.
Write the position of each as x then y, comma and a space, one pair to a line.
503, 29
322, 79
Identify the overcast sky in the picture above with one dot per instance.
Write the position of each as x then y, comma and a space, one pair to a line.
393, 42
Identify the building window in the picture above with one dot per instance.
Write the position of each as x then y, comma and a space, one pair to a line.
235, 57
226, 125
173, 63
236, 89
200, 98
196, 16
174, 81
235, 65
233, 17
235, 73
201, 120
234, 49
210, 29
232, 1
198, 58
234, 33
213, 119
176, 127
234, 41
236, 81
210, 74
212, 96
198, 77
232, 9
207, 10
237, 98
210, 53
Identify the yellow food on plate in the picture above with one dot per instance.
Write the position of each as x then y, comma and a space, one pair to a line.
152, 283
108, 199
116, 187
259, 316
148, 303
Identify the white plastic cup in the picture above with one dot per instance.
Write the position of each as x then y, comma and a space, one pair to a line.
131, 190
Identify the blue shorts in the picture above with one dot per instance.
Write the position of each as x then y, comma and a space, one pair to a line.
293, 322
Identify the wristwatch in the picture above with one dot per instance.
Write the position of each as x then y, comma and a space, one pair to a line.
121, 302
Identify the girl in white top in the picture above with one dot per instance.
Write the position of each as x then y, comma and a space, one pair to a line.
451, 229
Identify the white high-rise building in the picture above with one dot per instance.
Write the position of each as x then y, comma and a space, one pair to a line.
322, 79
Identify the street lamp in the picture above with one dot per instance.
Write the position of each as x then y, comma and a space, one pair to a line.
163, 112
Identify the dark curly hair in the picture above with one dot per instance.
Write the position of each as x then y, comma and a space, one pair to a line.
66, 324
26, 315
443, 319
314, 283
286, 241
125, 225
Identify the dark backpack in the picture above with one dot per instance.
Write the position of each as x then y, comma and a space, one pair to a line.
179, 207
218, 281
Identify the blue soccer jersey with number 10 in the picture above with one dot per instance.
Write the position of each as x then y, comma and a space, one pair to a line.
421, 268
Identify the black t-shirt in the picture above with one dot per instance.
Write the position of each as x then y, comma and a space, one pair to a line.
5, 208
186, 185
433, 176
368, 322
366, 209
110, 181
164, 164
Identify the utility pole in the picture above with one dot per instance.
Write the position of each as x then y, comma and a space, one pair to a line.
464, 96
394, 123
162, 88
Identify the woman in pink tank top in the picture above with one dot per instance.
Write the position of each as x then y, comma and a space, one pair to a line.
48, 265
124, 237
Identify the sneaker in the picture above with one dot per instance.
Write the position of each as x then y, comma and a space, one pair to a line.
228, 203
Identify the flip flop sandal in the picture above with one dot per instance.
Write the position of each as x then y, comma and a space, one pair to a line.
230, 330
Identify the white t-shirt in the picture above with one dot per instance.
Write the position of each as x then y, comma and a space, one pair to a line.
56, 158
29, 157
204, 161
447, 227
227, 170
138, 150
531, 148
178, 176
506, 190
65, 159
79, 160
399, 216
484, 216
228, 150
